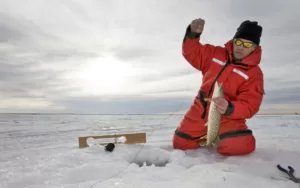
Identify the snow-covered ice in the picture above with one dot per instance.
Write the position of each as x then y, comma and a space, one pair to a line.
41, 151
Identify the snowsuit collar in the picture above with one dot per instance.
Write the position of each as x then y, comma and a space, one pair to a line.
250, 61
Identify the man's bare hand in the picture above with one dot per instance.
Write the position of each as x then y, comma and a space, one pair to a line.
197, 25
221, 104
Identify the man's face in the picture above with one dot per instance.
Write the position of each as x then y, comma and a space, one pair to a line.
240, 51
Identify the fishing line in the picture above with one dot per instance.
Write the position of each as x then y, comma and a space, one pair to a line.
168, 116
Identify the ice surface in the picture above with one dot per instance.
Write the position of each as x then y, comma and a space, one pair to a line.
41, 151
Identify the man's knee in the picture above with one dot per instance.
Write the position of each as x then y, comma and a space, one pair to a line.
183, 144
237, 143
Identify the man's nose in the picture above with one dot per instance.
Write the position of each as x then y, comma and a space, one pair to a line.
240, 48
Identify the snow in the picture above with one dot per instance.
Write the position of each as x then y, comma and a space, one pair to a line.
41, 151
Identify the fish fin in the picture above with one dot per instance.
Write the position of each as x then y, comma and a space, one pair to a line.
202, 144
202, 141
205, 124
207, 99
203, 137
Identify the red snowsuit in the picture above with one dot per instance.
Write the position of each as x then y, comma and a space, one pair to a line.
243, 88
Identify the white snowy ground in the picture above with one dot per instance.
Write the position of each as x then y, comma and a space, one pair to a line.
42, 152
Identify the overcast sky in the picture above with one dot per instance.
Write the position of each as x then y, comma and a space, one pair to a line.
125, 56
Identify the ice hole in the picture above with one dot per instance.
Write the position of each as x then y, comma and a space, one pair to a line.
155, 157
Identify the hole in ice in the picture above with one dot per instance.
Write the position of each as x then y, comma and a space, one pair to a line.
157, 157
147, 162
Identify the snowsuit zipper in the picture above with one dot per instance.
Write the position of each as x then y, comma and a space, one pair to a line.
201, 93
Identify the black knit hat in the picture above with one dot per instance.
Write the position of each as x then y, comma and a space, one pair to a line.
250, 31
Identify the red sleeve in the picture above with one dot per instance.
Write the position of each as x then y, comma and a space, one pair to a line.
197, 54
248, 101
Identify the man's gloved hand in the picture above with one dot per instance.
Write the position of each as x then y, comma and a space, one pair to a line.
197, 25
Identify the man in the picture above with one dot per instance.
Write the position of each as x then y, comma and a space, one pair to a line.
236, 66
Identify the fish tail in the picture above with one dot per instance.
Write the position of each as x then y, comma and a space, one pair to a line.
217, 142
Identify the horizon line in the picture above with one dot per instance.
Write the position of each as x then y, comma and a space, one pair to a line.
167, 113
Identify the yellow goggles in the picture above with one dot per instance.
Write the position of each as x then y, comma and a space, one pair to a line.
245, 44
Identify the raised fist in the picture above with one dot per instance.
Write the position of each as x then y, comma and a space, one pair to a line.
197, 25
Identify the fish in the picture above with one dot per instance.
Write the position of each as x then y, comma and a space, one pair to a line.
214, 119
